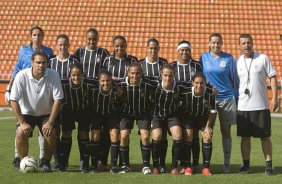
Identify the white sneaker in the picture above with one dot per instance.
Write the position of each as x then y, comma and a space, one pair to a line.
146, 170
125, 169
226, 168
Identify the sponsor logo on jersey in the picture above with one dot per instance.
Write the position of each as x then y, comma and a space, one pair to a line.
222, 63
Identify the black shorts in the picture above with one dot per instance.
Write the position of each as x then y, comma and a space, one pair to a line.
165, 123
127, 121
190, 122
69, 117
108, 121
36, 121
254, 123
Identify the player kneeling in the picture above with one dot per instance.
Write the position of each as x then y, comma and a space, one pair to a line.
199, 113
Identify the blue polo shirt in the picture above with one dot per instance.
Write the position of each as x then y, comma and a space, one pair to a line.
24, 58
221, 73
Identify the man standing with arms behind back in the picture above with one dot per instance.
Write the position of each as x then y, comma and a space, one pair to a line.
35, 99
253, 118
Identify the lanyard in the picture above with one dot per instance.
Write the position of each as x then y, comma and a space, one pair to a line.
248, 70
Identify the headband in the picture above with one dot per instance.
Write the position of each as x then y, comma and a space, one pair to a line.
182, 45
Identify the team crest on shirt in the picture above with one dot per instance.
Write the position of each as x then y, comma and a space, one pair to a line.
142, 94
175, 95
222, 63
206, 104
192, 73
98, 59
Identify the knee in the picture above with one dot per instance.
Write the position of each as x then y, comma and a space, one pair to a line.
157, 135
206, 139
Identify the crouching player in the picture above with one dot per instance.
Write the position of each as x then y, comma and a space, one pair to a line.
199, 113
75, 109
137, 92
165, 100
104, 102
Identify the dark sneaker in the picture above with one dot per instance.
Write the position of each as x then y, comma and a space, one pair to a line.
46, 168
163, 169
244, 170
93, 170
41, 162
125, 169
56, 165
62, 168
16, 162
269, 171
114, 170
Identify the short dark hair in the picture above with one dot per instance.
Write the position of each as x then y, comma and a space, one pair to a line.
199, 75
92, 30
119, 37
104, 72
76, 65
37, 27
154, 40
216, 35
167, 66
62, 36
39, 53
134, 64
245, 36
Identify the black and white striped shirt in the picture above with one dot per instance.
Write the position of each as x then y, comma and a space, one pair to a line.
62, 67
198, 106
165, 101
152, 69
76, 99
118, 67
136, 98
104, 103
91, 60
185, 72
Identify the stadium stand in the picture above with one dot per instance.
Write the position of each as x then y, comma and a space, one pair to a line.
167, 20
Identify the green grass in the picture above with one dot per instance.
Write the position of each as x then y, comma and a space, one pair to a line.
9, 175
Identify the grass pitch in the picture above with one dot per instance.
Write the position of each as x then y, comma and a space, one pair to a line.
9, 175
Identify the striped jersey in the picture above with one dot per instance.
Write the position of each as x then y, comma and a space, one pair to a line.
62, 67
91, 60
118, 67
185, 72
152, 69
197, 106
165, 101
136, 98
104, 103
76, 99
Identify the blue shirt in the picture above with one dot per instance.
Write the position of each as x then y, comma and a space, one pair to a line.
24, 58
221, 73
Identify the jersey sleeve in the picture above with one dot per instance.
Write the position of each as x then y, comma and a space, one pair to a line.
16, 92
269, 68
18, 66
212, 104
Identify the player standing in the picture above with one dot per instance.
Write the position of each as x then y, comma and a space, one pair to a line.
220, 71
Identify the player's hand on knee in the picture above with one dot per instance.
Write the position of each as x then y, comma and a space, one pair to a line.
47, 129
26, 128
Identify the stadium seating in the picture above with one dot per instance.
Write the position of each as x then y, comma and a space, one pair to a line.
168, 20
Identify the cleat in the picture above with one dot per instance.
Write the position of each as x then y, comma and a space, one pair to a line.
206, 172
175, 171
269, 172
16, 162
226, 168
93, 170
56, 165
244, 170
156, 170
146, 170
103, 168
114, 170
125, 169
46, 168
188, 171
182, 170
196, 169
162, 169
80, 165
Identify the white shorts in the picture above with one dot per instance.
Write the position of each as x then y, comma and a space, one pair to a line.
227, 111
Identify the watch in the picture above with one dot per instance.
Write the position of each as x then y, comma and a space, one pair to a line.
51, 122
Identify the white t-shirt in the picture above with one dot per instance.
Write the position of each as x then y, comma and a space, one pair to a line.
36, 97
261, 69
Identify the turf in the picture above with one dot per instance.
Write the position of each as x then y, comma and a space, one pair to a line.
9, 175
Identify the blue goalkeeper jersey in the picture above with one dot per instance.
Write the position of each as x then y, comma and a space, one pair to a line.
221, 73
24, 58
